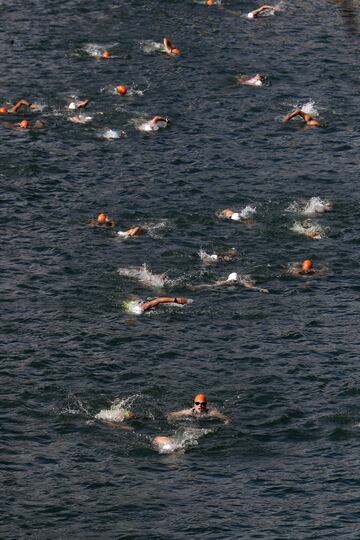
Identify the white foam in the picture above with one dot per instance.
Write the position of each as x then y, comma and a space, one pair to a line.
144, 275
149, 46
111, 134
247, 211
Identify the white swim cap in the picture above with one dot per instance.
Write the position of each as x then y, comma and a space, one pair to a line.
214, 257
250, 15
236, 216
72, 105
232, 277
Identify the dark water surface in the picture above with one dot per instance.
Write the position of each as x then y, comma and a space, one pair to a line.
283, 365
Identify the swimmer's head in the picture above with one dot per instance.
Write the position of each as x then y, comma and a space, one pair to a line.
235, 216
210, 2
72, 106
306, 265
200, 399
106, 54
121, 89
101, 218
175, 51
24, 124
232, 277
3, 110
250, 15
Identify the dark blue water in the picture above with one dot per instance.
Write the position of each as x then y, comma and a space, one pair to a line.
284, 366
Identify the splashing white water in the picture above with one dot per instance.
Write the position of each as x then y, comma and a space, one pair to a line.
182, 440
149, 46
111, 134
145, 276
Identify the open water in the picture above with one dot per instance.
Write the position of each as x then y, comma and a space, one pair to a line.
283, 365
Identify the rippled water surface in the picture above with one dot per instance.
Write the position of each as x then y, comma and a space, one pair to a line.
283, 365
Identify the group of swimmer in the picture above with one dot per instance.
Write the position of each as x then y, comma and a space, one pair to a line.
121, 416
199, 409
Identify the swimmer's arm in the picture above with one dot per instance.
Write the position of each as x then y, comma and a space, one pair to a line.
217, 414
297, 112
83, 104
257, 12
19, 104
179, 414
152, 303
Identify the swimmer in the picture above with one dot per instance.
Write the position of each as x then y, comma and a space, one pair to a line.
122, 90
133, 231
117, 414
257, 80
199, 410
231, 280
230, 214
145, 306
169, 48
306, 268
24, 125
80, 119
256, 12
165, 444
154, 123
103, 221
18, 105
105, 54
309, 228
308, 119
224, 256
76, 104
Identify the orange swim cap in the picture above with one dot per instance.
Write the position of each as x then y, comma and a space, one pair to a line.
24, 124
121, 89
101, 218
106, 54
307, 265
201, 398
210, 2
175, 51
3, 110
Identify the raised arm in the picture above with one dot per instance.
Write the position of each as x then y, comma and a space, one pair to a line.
297, 112
257, 12
163, 300
19, 104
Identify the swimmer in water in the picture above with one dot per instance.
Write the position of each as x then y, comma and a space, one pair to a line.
133, 231
77, 104
311, 229
199, 410
257, 80
230, 214
306, 268
169, 47
19, 104
24, 125
153, 124
103, 221
308, 119
223, 256
256, 12
231, 280
116, 414
145, 306
80, 119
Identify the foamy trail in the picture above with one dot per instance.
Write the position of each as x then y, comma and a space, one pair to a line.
145, 276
